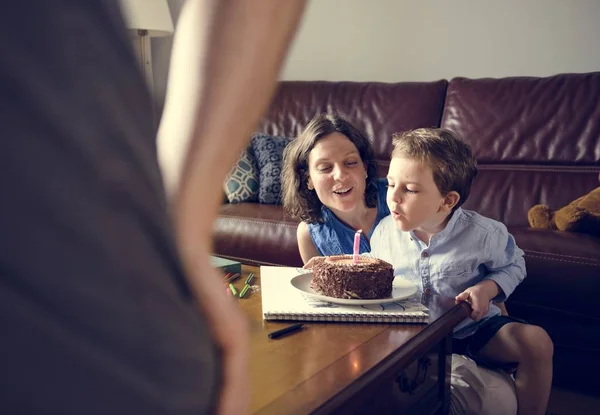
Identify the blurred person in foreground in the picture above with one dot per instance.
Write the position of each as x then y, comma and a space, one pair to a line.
108, 302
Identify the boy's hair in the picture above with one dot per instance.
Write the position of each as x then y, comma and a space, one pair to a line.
451, 160
298, 200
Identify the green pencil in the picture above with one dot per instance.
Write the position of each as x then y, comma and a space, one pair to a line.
233, 290
244, 290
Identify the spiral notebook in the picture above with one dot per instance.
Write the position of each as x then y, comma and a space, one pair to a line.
281, 301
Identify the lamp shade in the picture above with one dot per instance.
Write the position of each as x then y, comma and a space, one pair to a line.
151, 15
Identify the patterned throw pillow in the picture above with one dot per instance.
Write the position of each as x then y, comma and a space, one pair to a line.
268, 151
241, 184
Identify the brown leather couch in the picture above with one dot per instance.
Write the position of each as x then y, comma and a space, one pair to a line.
537, 140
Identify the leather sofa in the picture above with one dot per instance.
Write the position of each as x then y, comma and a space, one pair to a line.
537, 140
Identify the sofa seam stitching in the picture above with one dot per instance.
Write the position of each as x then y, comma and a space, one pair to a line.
277, 223
513, 167
563, 260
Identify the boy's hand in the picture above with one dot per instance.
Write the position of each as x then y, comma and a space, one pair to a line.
480, 303
479, 296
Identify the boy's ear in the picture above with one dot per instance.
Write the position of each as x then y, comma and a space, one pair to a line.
450, 200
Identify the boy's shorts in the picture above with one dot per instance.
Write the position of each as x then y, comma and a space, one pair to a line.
471, 346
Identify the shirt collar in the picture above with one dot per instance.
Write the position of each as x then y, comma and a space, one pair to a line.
450, 225
447, 230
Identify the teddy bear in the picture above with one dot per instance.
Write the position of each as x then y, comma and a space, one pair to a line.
581, 215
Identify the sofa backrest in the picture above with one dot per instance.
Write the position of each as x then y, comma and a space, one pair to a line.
537, 140
377, 109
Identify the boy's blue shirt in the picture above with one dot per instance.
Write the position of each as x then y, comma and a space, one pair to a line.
470, 249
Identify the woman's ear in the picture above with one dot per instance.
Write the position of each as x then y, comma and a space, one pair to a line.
309, 184
450, 200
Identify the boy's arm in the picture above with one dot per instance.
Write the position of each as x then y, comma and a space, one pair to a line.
505, 264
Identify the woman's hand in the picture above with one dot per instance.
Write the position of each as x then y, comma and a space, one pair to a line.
314, 260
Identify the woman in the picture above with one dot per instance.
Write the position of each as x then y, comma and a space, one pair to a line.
329, 181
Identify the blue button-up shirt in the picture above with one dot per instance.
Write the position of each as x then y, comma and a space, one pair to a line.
334, 237
470, 249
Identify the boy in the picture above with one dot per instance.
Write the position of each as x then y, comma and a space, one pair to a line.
445, 250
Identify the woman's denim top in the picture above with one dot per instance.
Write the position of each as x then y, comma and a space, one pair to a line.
333, 237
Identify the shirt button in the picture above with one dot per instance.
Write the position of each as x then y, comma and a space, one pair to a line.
425, 254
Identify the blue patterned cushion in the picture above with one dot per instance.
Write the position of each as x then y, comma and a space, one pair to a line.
268, 151
241, 184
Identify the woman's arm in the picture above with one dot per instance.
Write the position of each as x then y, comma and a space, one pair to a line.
305, 243
246, 42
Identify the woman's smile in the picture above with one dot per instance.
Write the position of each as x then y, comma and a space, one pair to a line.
343, 192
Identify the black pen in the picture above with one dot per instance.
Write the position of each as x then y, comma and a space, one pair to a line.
288, 330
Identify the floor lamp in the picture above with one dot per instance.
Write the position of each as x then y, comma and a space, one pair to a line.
147, 19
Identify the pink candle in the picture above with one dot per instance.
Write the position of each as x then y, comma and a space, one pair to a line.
356, 246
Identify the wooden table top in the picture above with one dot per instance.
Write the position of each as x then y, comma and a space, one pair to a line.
321, 365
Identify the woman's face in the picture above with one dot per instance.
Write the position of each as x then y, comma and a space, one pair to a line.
337, 173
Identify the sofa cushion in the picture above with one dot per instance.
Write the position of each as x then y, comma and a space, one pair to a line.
560, 294
378, 109
241, 184
268, 151
528, 120
506, 192
257, 234
535, 140
558, 263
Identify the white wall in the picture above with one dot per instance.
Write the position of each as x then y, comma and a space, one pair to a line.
416, 40
422, 40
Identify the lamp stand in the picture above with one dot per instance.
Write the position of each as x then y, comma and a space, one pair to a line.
145, 60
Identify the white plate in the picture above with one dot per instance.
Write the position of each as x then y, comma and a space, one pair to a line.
401, 289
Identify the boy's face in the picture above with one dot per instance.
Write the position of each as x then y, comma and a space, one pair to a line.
413, 197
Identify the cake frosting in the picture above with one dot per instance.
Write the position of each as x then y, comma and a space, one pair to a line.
337, 276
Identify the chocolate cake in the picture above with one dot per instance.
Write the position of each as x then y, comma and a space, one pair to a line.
337, 276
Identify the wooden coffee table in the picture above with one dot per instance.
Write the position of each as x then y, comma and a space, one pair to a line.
351, 368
